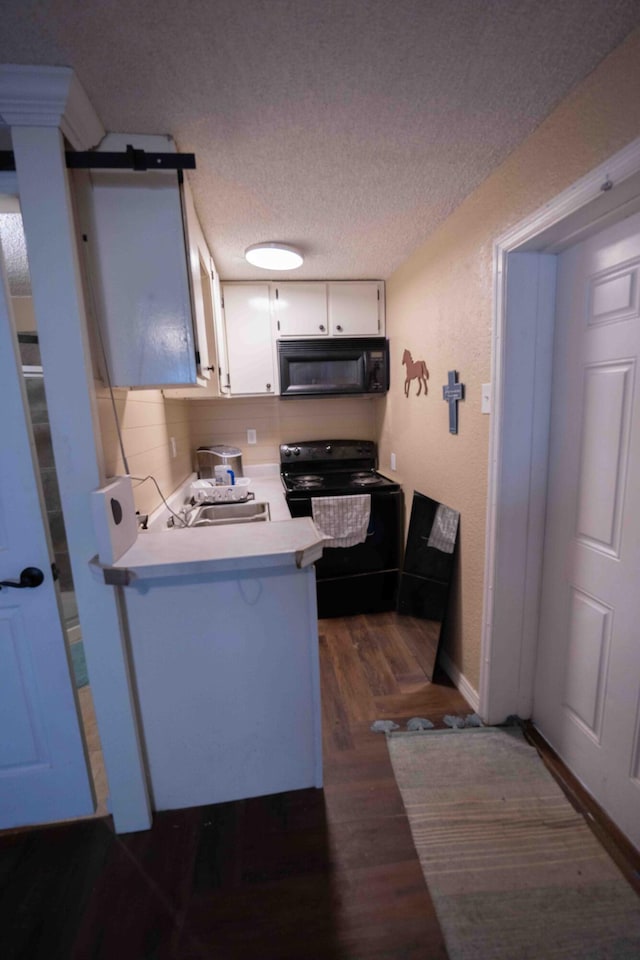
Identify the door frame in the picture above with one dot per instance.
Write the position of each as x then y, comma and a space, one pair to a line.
521, 370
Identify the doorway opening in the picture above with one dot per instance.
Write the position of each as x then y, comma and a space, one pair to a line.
522, 361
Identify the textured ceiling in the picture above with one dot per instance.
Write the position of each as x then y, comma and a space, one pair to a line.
350, 128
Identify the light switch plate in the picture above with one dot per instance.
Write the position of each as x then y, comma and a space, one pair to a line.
252, 436
393, 461
486, 398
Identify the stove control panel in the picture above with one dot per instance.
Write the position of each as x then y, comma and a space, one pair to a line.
329, 450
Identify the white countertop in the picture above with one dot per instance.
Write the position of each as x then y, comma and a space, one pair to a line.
162, 552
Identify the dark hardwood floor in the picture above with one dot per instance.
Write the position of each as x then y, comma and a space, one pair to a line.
309, 874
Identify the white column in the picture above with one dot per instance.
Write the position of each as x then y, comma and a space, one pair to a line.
59, 308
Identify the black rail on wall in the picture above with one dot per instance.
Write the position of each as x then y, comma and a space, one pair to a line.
131, 159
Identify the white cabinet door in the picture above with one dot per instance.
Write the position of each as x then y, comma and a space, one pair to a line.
250, 345
300, 309
43, 766
356, 309
224, 380
139, 278
200, 277
210, 355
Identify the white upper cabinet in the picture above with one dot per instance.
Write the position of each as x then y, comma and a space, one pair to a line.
356, 308
249, 339
148, 273
300, 309
139, 277
338, 308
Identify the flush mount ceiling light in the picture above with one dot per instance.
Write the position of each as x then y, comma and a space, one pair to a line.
271, 255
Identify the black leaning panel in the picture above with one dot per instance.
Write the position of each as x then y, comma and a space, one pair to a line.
421, 559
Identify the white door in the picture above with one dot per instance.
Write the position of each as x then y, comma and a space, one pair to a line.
43, 767
587, 690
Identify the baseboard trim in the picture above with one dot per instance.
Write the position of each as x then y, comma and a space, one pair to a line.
615, 842
459, 680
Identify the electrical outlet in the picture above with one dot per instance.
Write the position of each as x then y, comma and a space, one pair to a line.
174, 447
252, 436
393, 461
486, 398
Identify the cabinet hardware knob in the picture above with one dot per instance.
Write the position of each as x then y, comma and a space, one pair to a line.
268, 386
322, 326
338, 327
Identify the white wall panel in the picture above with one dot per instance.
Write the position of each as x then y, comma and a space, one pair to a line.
18, 699
604, 451
587, 659
613, 294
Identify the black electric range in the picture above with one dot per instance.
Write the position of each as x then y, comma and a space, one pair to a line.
331, 468
362, 578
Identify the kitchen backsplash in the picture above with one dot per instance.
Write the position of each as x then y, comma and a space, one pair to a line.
148, 423
279, 421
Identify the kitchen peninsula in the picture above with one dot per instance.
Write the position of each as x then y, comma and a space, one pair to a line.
222, 623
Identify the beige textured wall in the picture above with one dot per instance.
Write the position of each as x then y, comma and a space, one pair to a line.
279, 421
147, 422
439, 306
23, 314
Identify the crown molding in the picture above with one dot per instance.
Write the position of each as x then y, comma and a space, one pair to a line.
49, 97
623, 164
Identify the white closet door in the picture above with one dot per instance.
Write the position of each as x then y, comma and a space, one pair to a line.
587, 693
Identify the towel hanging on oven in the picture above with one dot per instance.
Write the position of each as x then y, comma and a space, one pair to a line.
342, 521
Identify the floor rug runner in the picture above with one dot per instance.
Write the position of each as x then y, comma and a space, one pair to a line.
513, 870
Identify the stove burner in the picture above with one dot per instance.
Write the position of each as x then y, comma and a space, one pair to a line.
365, 479
308, 482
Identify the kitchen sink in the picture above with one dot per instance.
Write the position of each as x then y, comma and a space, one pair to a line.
220, 514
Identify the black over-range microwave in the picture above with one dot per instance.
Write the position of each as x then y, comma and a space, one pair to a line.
334, 367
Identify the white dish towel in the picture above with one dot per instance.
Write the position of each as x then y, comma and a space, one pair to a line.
342, 521
444, 529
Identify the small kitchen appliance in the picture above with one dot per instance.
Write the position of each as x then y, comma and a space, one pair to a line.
362, 578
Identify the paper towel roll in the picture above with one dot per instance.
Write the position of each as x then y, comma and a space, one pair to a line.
114, 519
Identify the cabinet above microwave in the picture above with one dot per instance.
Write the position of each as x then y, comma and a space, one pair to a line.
334, 308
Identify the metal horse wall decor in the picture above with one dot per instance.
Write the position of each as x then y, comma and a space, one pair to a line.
416, 370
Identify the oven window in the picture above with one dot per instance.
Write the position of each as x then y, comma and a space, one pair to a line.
345, 374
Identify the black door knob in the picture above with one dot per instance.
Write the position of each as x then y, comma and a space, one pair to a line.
30, 577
